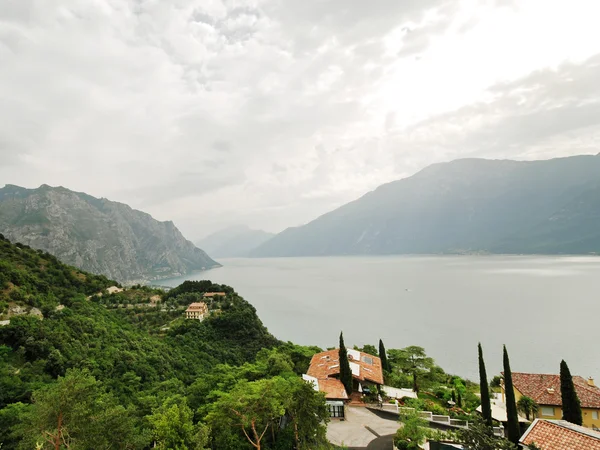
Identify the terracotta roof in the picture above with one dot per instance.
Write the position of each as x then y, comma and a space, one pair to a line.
212, 294
545, 389
326, 365
199, 306
333, 388
560, 435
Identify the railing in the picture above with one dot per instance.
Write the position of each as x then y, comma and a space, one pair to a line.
442, 419
429, 416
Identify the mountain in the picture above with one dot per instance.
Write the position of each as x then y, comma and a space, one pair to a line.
468, 205
97, 235
234, 241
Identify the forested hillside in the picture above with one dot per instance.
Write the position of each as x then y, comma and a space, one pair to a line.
126, 371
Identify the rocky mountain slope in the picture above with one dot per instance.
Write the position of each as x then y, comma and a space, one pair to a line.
237, 241
97, 235
469, 205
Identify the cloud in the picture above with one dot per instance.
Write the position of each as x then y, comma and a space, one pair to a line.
271, 112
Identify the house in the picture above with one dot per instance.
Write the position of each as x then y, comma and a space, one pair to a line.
498, 409
560, 435
324, 373
335, 394
196, 311
545, 391
214, 294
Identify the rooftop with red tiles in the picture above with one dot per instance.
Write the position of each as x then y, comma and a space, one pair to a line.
545, 389
560, 435
364, 367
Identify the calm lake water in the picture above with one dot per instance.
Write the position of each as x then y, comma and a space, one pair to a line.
543, 308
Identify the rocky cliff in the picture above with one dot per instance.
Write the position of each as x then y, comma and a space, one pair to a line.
98, 235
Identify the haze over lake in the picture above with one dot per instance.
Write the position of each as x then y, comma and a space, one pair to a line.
543, 308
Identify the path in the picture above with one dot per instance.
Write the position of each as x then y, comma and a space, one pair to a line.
362, 428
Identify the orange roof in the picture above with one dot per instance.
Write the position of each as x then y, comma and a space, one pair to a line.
333, 388
326, 365
560, 435
199, 306
212, 294
545, 389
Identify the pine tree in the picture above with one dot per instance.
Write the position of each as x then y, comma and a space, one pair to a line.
570, 402
486, 407
385, 365
345, 371
513, 431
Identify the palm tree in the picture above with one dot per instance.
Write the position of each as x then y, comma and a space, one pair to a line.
527, 406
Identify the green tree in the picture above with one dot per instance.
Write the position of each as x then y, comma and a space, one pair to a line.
251, 407
10, 418
308, 413
571, 405
479, 436
413, 432
412, 360
459, 401
486, 407
513, 431
367, 348
527, 406
173, 427
345, 371
76, 412
385, 365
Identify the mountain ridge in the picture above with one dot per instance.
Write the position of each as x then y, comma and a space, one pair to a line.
462, 206
98, 235
235, 241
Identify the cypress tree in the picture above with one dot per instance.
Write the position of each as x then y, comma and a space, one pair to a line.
385, 365
345, 371
513, 431
454, 397
486, 407
459, 400
570, 402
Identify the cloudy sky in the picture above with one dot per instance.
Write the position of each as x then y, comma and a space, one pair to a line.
271, 112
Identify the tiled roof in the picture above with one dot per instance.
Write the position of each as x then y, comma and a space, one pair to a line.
326, 365
333, 388
212, 294
545, 389
199, 306
560, 435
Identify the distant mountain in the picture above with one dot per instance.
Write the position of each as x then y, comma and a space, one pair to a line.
97, 235
234, 241
464, 206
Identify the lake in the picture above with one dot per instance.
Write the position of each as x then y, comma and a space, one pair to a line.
543, 308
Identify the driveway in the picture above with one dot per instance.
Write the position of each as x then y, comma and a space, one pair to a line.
360, 428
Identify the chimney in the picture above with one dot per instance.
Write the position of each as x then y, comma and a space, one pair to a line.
591, 381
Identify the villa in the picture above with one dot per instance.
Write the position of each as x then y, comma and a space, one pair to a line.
545, 391
324, 373
196, 311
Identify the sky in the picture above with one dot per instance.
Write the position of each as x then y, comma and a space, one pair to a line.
269, 113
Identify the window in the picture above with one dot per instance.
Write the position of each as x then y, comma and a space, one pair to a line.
548, 411
336, 411
595, 415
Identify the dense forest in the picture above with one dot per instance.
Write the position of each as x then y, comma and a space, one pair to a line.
84, 369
